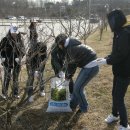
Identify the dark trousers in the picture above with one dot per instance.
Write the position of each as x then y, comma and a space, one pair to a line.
7, 78
120, 86
71, 84
31, 72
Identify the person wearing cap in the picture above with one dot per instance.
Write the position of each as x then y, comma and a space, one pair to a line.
120, 61
57, 62
12, 51
35, 63
77, 55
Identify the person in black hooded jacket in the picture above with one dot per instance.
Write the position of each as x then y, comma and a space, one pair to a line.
57, 62
77, 55
12, 51
120, 61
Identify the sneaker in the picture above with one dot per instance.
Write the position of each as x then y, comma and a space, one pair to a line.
111, 119
17, 96
31, 99
42, 93
4, 96
124, 128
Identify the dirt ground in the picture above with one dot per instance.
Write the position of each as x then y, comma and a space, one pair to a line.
34, 117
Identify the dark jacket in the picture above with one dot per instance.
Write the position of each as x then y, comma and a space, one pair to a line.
57, 58
120, 56
35, 57
78, 55
11, 49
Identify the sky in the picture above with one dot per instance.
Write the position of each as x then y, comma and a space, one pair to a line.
60, 0
55, 0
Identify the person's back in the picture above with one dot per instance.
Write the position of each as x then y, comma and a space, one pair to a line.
77, 52
57, 58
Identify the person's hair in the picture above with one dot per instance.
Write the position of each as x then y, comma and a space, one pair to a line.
31, 25
116, 19
60, 39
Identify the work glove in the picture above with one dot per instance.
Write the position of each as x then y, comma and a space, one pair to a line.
61, 75
2, 60
17, 60
36, 74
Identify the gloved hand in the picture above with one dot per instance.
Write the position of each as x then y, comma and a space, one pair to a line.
36, 74
2, 60
91, 64
61, 74
17, 60
101, 61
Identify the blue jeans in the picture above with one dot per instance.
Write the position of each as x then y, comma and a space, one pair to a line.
78, 97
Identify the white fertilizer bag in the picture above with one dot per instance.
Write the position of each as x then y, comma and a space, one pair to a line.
59, 96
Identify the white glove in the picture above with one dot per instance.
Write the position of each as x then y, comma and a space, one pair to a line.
66, 83
2, 60
61, 74
91, 64
17, 60
36, 74
101, 61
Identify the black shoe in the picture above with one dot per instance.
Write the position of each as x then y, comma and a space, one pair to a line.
80, 111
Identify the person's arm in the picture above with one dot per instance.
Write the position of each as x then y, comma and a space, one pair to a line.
2, 46
55, 61
43, 53
122, 50
3, 43
70, 71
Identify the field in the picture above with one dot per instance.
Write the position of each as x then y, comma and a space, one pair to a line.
98, 91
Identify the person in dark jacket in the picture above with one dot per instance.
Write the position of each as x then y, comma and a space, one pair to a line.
120, 61
35, 66
12, 51
57, 62
78, 55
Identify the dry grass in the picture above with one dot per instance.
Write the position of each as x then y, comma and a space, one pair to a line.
98, 93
